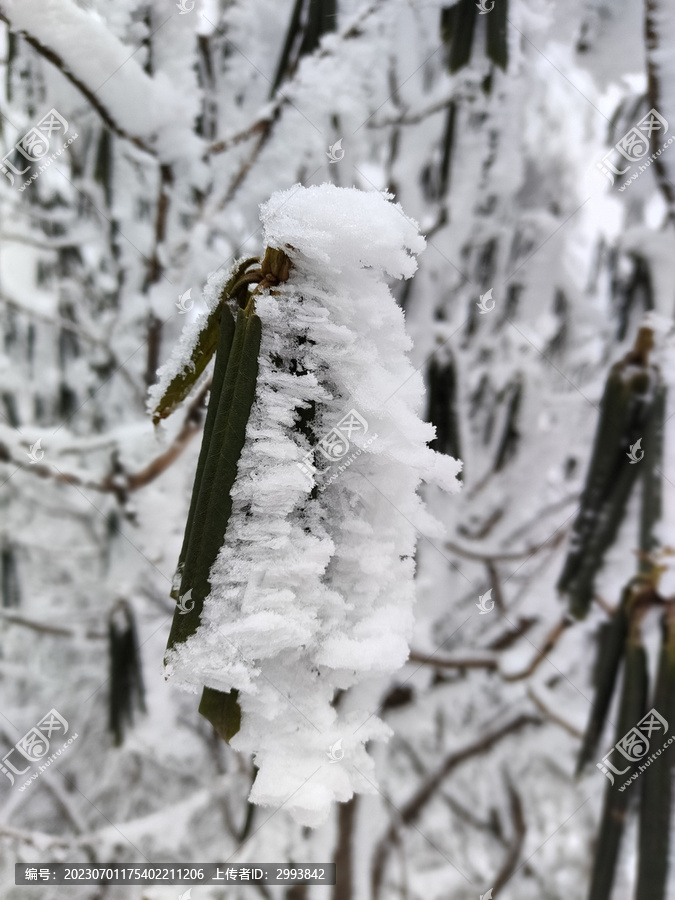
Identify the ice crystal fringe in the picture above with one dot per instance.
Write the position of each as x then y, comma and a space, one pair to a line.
313, 588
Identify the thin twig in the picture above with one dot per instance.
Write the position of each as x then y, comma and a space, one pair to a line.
411, 811
43, 628
496, 586
551, 640
554, 717
509, 866
489, 663
116, 483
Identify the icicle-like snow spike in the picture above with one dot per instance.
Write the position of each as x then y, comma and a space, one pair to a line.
625, 412
655, 801
457, 27
183, 382
126, 677
611, 646
496, 40
651, 474
632, 709
222, 710
227, 326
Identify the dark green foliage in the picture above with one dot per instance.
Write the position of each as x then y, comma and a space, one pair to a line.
632, 709
232, 395
103, 164
631, 396
222, 710
435, 176
205, 347
213, 504
442, 406
458, 25
651, 475
222, 355
496, 44
655, 807
310, 20
11, 409
294, 30
126, 679
636, 296
611, 645
510, 434
9, 576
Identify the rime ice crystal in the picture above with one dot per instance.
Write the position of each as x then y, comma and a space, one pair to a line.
313, 589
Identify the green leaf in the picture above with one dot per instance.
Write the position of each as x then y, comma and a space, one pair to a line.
633, 703
183, 382
625, 411
213, 505
222, 356
655, 801
651, 473
496, 43
222, 710
463, 24
612, 643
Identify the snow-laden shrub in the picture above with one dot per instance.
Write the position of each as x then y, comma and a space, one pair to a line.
312, 589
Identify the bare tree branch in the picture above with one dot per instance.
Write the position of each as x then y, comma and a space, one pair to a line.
551, 640
510, 864
552, 716
43, 628
410, 812
467, 662
116, 483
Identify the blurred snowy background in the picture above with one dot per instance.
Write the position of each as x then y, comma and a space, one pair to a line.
184, 119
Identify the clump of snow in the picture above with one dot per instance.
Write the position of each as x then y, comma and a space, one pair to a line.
313, 588
144, 107
180, 359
